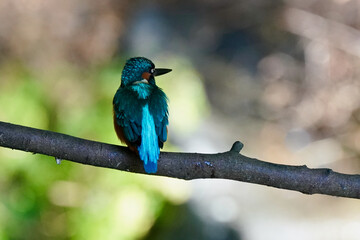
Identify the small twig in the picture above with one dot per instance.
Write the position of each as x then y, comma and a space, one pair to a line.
237, 146
227, 165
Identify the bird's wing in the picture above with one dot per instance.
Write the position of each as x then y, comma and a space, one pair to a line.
126, 110
159, 110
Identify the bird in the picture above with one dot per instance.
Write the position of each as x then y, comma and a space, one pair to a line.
140, 111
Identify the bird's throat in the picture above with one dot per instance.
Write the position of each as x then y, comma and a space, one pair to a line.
142, 89
141, 81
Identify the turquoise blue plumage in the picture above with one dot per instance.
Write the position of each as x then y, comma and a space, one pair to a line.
141, 111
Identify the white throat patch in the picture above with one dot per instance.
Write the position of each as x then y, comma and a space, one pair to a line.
141, 81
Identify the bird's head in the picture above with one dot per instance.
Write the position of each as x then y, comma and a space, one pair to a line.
140, 70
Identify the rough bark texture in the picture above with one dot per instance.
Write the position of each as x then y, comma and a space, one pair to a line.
227, 165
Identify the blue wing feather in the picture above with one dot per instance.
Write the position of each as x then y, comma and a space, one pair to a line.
126, 105
158, 103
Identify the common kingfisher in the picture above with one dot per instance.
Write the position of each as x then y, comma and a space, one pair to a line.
141, 111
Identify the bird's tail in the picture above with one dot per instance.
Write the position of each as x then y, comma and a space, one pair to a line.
149, 149
150, 167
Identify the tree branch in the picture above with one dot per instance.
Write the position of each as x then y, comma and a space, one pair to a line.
227, 165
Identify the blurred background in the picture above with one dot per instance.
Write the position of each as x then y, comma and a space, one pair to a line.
280, 76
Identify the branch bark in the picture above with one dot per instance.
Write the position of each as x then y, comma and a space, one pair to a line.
228, 165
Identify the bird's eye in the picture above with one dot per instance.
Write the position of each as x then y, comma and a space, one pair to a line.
152, 70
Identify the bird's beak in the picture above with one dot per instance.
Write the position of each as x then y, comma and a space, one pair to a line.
161, 71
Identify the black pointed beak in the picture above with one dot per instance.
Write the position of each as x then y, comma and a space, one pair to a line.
161, 71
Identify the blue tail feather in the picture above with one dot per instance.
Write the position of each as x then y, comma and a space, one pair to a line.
149, 149
150, 167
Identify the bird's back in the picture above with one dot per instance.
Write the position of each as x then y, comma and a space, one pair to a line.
141, 119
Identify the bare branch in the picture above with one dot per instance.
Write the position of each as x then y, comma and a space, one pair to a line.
227, 165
